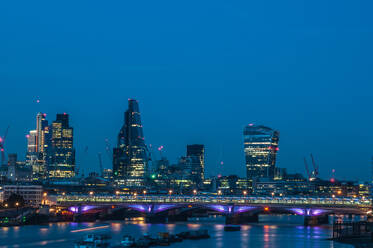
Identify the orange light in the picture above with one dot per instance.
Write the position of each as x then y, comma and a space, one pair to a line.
266, 209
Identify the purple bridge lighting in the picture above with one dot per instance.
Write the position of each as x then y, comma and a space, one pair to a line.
307, 212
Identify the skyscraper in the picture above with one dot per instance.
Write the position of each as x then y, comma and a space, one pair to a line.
61, 152
31, 142
42, 131
37, 143
260, 146
196, 162
130, 157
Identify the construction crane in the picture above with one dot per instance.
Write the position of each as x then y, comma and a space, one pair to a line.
315, 167
160, 149
332, 179
100, 163
312, 175
2, 147
309, 175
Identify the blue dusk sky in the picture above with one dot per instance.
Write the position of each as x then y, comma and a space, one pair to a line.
201, 71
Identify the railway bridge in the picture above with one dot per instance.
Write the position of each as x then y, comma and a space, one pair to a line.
158, 208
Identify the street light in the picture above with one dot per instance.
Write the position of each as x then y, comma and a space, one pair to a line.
135, 194
144, 192
244, 192
17, 204
273, 193
117, 192
63, 193
6, 205
194, 191
45, 194
90, 193
219, 192
170, 191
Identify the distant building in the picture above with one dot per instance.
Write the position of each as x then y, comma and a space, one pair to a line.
233, 185
130, 157
60, 151
196, 163
260, 147
18, 171
37, 144
107, 174
32, 194
31, 142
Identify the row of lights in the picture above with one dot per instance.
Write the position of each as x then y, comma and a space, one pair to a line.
6, 204
170, 193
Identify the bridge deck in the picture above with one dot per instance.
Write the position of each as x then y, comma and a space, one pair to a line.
225, 200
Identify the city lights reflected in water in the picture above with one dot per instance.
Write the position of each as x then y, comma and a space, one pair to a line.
193, 226
171, 227
271, 235
90, 229
116, 227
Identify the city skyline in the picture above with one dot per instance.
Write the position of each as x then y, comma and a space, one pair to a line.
82, 167
304, 70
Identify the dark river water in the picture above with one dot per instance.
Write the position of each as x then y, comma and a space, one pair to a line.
271, 232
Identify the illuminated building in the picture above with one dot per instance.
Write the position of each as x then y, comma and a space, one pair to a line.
37, 145
260, 146
31, 142
61, 153
18, 171
32, 194
42, 131
196, 163
130, 157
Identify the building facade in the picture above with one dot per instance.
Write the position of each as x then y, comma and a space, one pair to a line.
37, 145
32, 194
130, 157
195, 163
60, 150
260, 147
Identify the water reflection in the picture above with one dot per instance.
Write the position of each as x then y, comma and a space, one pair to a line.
272, 235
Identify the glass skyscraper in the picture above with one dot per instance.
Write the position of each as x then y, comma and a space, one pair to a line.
37, 144
130, 157
260, 146
196, 163
61, 152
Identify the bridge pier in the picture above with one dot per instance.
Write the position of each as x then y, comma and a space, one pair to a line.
155, 219
179, 217
316, 220
241, 219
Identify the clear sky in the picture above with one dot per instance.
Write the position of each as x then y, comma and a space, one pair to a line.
201, 71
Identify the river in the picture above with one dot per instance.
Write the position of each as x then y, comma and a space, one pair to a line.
272, 232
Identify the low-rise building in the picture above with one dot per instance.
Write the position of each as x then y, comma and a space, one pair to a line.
32, 194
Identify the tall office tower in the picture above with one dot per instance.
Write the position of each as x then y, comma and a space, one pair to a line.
42, 130
130, 157
37, 145
260, 146
196, 162
61, 152
31, 142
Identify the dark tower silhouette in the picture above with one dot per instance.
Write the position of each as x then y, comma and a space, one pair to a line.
130, 157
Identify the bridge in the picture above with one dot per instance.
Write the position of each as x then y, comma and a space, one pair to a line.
245, 208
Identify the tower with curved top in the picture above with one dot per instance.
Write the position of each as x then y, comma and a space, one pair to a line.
130, 157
